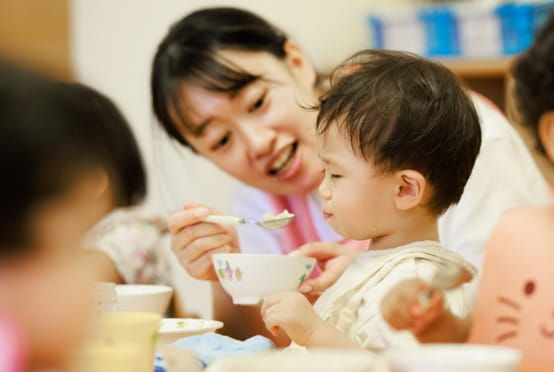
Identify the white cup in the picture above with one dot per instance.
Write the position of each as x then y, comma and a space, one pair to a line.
105, 297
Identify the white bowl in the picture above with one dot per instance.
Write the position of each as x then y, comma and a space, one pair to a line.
248, 278
320, 360
454, 358
143, 297
172, 329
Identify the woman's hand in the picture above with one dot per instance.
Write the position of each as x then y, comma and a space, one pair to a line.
194, 241
401, 308
292, 313
332, 258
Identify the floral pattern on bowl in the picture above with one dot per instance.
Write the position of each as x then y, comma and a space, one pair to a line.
226, 272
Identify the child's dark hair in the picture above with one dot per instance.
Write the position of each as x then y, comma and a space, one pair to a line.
401, 111
533, 73
52, 133
189, 53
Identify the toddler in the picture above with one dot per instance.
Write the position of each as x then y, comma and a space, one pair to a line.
67, 158
397, 138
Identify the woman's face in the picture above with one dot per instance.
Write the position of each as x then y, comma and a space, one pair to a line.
262, 136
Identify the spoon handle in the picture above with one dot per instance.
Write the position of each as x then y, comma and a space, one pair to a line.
225, 220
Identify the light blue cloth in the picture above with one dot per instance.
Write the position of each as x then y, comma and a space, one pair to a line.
211, 346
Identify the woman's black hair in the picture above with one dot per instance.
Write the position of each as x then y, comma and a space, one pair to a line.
189, 53
52, 133
533, 74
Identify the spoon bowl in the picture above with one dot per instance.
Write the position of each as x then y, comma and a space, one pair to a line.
269, 221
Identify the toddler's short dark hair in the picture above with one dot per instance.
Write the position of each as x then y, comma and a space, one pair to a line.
402, 111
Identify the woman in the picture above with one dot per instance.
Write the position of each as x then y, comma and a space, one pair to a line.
234, 89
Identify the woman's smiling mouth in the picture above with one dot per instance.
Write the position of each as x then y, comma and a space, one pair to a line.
286, 163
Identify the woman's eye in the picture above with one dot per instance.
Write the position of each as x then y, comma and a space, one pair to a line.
335, 176
222, 142
259, 103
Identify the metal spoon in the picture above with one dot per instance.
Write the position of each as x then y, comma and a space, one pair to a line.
448, 277
270, 222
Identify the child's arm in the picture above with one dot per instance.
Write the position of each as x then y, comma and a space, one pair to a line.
292, 313
431, 323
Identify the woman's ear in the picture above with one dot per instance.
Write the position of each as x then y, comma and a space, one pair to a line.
299, 63
546, 133
410, 189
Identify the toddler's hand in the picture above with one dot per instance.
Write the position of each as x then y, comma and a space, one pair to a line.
292, 313
401, 308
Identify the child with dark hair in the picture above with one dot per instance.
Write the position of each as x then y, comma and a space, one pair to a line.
397, 138
515, 306
67, 157
533, 88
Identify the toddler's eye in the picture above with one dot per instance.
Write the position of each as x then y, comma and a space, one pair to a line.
529, 288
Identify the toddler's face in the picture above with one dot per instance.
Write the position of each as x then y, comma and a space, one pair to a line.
54, 297
357, 200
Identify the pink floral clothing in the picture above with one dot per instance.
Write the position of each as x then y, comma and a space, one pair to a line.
134, 240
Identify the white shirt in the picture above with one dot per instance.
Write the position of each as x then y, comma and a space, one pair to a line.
353, 303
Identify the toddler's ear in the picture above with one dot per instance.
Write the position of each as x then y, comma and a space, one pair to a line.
546, 133
410, 189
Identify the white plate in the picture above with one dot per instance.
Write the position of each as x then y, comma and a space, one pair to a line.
173, 329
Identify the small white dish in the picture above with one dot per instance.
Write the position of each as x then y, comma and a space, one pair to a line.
172, 329
454, 358
321, 360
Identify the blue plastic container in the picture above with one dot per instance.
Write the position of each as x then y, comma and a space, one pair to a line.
441, 31
516, 24
377, 32
541, 12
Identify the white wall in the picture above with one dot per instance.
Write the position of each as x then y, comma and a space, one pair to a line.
113, 42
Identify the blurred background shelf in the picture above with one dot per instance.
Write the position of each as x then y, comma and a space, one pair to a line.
36, 35
487, 76
474, 68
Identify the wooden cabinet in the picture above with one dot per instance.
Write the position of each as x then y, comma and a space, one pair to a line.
35, 33
486, 76
489, 77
